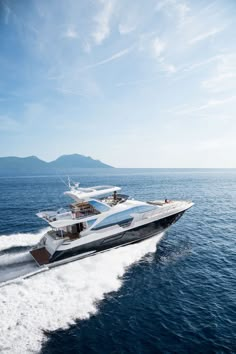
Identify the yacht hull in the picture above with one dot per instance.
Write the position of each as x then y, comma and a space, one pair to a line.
137, 234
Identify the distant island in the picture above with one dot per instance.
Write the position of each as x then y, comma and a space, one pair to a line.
13, 165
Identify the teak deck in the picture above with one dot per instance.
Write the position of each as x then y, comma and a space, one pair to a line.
41, 255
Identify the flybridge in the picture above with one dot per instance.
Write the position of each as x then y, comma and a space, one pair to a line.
83, 194
86, 205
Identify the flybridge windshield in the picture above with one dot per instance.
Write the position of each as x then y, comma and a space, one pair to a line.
101, 207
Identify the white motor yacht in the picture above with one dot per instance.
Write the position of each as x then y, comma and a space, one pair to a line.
100, 218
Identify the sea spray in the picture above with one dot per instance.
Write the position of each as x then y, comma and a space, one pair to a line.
15, 260
57, 298
20, 239
9, 259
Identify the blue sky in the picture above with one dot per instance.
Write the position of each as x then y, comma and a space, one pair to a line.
133, 83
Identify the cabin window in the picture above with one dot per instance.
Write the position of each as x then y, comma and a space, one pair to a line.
90, 222
123, 216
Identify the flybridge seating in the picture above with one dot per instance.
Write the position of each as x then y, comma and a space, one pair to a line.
91, 207
114, 199
82, 209
96, 206
77, 210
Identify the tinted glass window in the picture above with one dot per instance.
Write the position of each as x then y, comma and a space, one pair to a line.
99, 206
91, 222
123, 216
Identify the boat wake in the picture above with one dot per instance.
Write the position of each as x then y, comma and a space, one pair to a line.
14, 241
57, 298
15, 260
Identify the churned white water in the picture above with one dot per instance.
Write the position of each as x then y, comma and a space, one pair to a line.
56, 298
21, 239
12, 259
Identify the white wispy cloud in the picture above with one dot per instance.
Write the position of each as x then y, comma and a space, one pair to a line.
102, 21
200, 63
212, 103
71, 33
7, 13
216, 103
10, 11
174, 8
224, 75
221, 82
109, 59
213, 83
205, 35
158, 48
125, 28
168, 68
183, 10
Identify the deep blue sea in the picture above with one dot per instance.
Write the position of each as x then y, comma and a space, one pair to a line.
176, 294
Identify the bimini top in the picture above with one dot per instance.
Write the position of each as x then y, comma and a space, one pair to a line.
80, 194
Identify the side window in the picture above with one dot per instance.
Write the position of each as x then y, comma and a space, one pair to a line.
90, 222
123, 216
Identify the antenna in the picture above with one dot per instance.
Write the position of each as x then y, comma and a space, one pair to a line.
62, 180
72, 184
69, 184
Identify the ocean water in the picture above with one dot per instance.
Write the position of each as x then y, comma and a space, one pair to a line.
174, 293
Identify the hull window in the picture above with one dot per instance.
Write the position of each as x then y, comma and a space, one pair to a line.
112, 238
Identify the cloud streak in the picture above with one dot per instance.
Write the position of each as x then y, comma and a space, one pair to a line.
224, 77
126, 28
206, 35
113, 57
212, 103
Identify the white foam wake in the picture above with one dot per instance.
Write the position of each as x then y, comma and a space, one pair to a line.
16, 240
55, 299
11, 259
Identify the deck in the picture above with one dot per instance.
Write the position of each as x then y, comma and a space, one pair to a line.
41, 256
